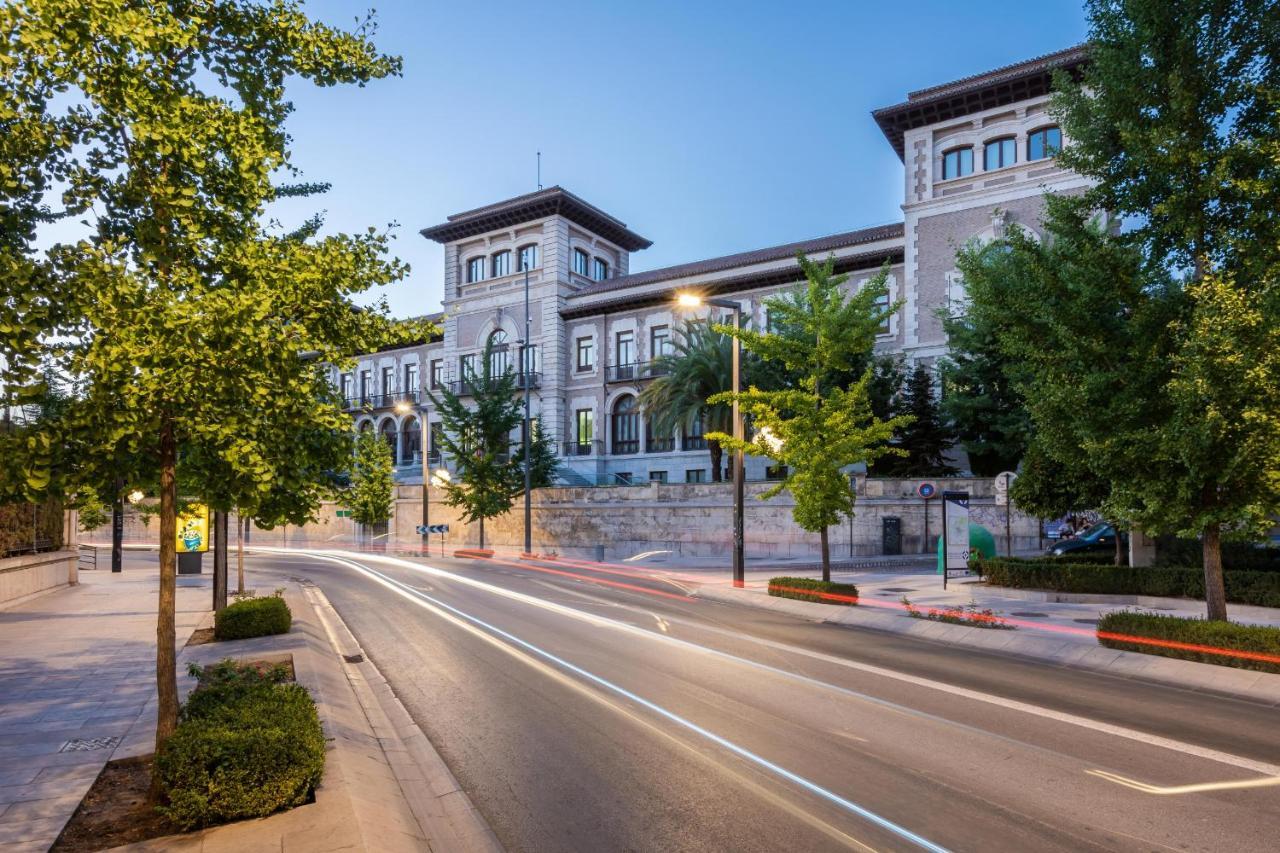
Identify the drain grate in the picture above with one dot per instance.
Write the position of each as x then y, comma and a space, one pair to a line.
1030, 614
1086, 621
899, 589
86, 744
356, 658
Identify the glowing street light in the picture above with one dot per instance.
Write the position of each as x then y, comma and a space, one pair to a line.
403, 407
135, 496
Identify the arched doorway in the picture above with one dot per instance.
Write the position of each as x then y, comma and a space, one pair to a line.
626, 425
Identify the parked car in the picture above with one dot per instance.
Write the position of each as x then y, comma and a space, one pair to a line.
1100, 537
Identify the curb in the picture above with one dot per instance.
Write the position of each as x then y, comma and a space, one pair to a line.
1260, 687
446, 814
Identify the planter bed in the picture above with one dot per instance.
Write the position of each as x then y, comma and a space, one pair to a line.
1255, 647
809, 589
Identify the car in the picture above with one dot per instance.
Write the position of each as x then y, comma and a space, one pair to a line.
1100, 537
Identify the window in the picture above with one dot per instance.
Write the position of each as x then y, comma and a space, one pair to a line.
775, 472
388, 431
957, 163
366, 385
581, 262
367, 426
348, 387
586, 427
626, 344
437, 372
1042, 143
657, 476
411, 380
622, 478
659, 341
433, 447
466, 366
388, 381
529, 359
626, 426
600, 270
882, 304
586, 354
693, 439
657, 443
475, 270
500, 264
412, 444
695, 475
529, 257
499, 353
1000, 153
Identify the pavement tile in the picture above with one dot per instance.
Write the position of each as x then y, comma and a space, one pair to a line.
19, 832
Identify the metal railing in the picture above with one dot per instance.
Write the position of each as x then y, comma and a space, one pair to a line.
589, 447
635, 371
466, 387
380, 401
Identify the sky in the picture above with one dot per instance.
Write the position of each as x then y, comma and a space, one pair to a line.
708, 127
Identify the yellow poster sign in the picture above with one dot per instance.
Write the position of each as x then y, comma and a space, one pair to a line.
193, 529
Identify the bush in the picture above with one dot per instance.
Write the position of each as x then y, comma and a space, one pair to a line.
1201, 632
1260, 588
1236, 556
811, 589
253, 617
227, 682
244, 748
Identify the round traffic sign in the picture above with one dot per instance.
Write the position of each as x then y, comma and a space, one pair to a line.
927, 490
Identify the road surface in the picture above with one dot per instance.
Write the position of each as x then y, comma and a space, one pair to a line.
599, 708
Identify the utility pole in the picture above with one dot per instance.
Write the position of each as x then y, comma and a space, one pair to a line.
525, 369
117, 528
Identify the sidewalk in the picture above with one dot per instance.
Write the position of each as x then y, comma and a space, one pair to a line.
1060, 632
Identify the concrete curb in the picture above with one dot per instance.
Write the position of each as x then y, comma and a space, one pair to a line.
1151, 602
1202, 677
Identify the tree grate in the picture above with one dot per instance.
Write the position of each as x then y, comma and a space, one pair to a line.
1029, 614
87, 744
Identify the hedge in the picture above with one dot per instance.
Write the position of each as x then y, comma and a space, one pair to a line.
1260, 588
1198, 632
253, 617
811, 589
241, 750
1236, 556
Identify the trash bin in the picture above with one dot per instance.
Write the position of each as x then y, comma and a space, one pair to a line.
190, 563
891, 535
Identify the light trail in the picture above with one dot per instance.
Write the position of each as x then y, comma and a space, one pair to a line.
442, 608
1196, 788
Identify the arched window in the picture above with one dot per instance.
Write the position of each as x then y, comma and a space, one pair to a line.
957, 163
1043, 143
654, 443
600, 269
499, 353
581, 262
999, 153
501, 264
388, 431
529, 257
412, 444
626, 426
367, 426
475, 270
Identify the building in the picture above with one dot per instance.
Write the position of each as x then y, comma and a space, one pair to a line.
978, 156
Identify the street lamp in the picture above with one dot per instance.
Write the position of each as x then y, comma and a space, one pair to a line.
693, 300
437, 478
135, 496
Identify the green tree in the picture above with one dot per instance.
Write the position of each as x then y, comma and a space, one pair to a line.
924, 437
818, 429
477, 439
372, 490
183, 315
1175, 120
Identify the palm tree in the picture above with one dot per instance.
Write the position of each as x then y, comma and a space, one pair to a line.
700, 365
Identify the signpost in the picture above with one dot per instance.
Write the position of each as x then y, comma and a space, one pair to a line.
955, 536
1003, 481
927, 492
442, 529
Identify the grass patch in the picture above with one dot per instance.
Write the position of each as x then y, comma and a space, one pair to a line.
1255, 647
811, 589
967, 615
1259, 588
252, 617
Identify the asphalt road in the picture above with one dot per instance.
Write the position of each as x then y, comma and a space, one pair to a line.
597, 709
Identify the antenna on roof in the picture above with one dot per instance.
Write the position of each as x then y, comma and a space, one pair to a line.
539, 170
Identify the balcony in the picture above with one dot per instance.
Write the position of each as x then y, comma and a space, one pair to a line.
634, 371
466, 388
370, 402
588, 447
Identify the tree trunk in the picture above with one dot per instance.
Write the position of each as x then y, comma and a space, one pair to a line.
717, 460
1120, 547
166, 657
826, 556
482, 534
241, 523
1215, 595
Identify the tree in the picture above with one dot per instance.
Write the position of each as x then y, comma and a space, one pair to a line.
924, 437
979, 399
372, 490
699, 367
182, 314
477, 438
818, 429
1175, 120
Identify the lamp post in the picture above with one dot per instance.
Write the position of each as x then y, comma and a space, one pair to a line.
525, 378
693, 300
438, 479
404, 408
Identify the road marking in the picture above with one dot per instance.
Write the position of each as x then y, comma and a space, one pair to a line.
445, 610
1242, 762
1173, 790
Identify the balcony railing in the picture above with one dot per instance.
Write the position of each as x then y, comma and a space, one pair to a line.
466, 387
587, 447
381, 401
635, 371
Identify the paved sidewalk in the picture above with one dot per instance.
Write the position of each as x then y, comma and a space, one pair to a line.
77, 671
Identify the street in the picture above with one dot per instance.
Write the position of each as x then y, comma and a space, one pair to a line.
600, 708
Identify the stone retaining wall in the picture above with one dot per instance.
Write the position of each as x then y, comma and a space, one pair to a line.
31, 574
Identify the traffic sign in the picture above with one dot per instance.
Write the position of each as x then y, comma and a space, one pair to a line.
433, 528
1003, 481
927, 490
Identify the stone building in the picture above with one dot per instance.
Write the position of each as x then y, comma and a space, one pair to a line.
978, 156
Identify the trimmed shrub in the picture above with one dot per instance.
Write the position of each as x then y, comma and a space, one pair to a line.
1254, 639
1236, 556
244, 749
1260, 588
227, 682
811, 589
253, 617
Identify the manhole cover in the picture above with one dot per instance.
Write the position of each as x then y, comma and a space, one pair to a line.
89, 743
357, 658
898, 589
1086, 621
1030, 614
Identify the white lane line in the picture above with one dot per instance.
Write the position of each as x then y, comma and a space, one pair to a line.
440, 607
1242, 762
1173, 790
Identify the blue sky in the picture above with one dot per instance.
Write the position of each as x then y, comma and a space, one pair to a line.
707, 127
